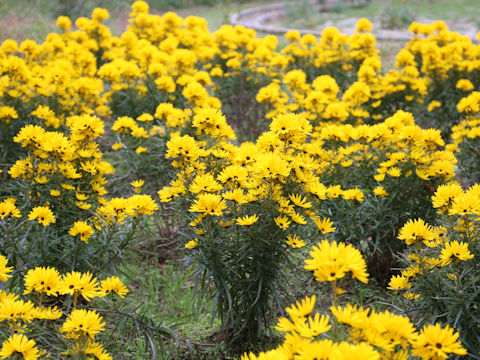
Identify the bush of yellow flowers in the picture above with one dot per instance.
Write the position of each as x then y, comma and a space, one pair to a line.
440, 279
57, 214
465, 139
52, 317
448, 61
246, 207
246, 203
377, 177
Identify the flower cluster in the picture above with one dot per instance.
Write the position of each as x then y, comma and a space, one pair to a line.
59, 193
24, 320
440, 270
354, 331
465, 138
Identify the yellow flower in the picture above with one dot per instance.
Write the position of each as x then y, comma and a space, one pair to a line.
353, 194
464, 85
42, 214
295, 242
325, 225
54, 192
298, 218
143, 204
13, 309
363, 24
348, 351
247, 220
331, 260
192, 244
8, 208
117, 146
433, 342
114, 284
7, 113
83, 205
140, 149
334, 191
445, 195
302, 309
455, 251
83, 229
19, 344
470, 103
465, 204
299, 201
82, 284
205, 183
380, 191
209, 204
137, 184
64, 22
314, 326
4, 269
282, 222
43, 280
82, 323
416, 230
379, 177
9, 46
100, 14
165, 83
394, 171
399, 282
140, 7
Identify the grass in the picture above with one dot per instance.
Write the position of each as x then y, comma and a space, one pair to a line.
166, 319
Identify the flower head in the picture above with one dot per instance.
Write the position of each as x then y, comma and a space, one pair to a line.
43, 280
42, 214
82, 323
247, 220
113, 284
19, 344
82, 229
455, 251
4, 269
332, 260
433, 342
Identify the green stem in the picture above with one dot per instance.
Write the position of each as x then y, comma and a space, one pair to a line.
75, 296
334, 290
42, 247
77, 252
335, 303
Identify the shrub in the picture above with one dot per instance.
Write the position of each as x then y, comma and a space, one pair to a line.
247, 210
353, 331
58, 215
440, 279
53, 318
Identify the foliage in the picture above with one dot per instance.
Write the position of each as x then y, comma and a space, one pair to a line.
397, 15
